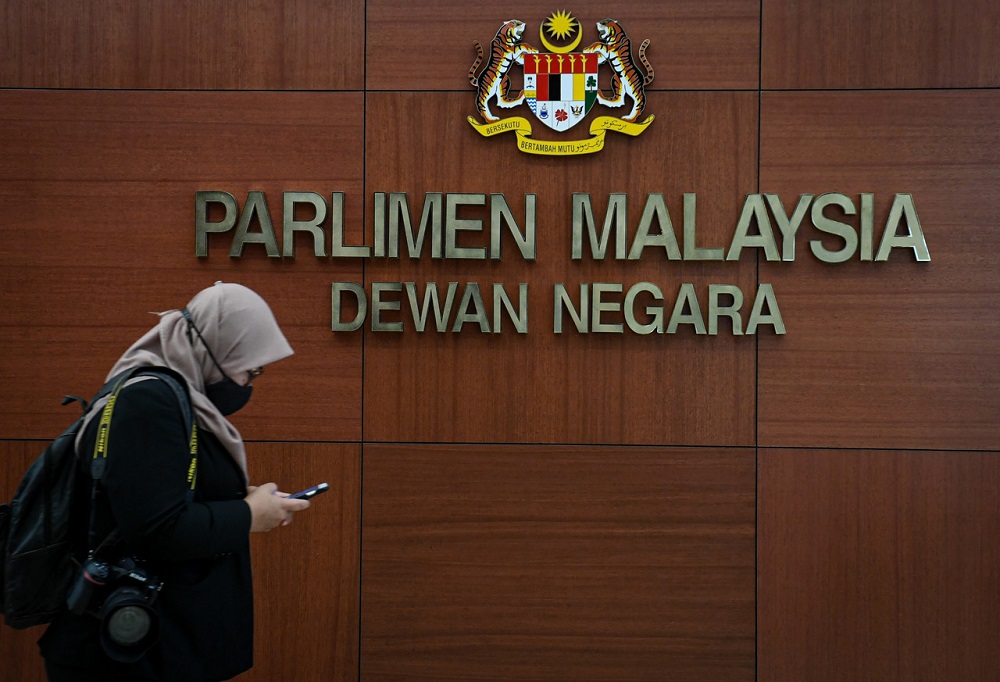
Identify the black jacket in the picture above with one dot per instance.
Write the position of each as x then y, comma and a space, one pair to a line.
197, 546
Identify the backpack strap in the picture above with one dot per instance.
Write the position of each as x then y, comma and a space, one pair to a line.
99, 458
113, 387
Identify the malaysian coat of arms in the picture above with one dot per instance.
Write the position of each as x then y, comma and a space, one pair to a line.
560, 86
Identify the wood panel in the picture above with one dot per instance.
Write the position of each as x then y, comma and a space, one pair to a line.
571, 387
557, 563
878, 565
183, 44
693, 45
97, 198
899, 353
879, 44
306, 575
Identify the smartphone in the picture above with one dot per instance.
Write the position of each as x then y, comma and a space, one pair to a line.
310, 493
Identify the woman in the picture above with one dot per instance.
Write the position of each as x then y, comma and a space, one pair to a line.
196, 544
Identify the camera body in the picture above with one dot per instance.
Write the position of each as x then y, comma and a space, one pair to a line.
121, 595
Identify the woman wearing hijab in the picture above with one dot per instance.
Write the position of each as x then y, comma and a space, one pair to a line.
196, 545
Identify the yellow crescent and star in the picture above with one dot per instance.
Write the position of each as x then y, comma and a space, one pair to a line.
560, 26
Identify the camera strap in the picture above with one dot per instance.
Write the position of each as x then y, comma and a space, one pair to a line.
99, 458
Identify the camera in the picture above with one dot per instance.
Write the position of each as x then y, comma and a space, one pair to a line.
121, 596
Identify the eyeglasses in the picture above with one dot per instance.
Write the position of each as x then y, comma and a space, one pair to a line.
253, 374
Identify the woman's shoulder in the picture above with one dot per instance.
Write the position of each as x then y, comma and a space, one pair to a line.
154, 381
152, 398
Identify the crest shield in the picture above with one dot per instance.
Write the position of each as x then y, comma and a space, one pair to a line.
560, 88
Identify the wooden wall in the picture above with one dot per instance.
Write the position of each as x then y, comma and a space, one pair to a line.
821, 505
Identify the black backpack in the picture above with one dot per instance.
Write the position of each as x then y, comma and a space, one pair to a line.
39, 527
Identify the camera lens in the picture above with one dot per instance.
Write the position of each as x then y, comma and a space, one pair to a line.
128, 625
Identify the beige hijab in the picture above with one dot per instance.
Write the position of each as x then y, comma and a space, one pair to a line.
243, 334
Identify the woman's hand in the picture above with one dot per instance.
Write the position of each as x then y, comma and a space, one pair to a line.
270, 508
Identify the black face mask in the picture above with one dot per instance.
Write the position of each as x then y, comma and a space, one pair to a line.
228, 396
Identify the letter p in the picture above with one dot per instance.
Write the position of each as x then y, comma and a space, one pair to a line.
202, 226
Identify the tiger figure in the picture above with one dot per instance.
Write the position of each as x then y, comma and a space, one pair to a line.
615, 48
506, 49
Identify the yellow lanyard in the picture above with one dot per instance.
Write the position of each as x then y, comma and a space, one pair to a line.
104, 431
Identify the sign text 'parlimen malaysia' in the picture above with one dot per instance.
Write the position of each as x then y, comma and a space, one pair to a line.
475, 227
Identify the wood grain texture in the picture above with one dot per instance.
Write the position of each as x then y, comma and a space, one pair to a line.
19, 651
693, 45
569, 387
878, 565
97, 198
306, 575
879, 44
538, 563
183, 44
896, 354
